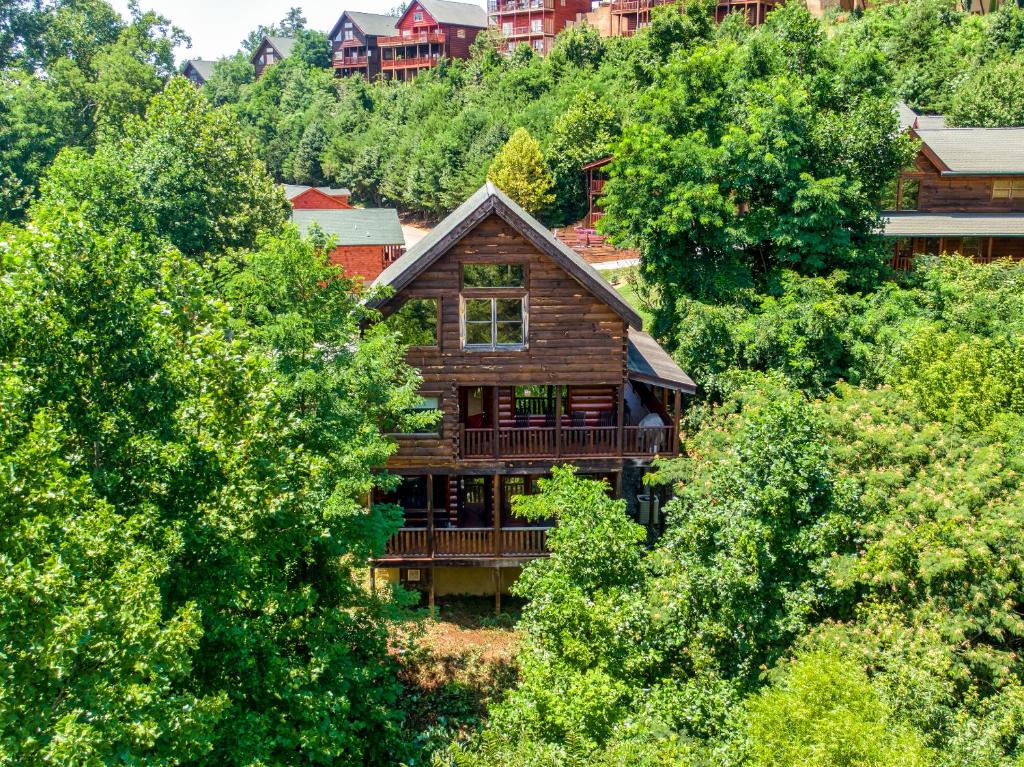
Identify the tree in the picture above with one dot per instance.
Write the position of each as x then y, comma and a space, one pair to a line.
990, 96
582, 134
313, 48
519, 171
229, 76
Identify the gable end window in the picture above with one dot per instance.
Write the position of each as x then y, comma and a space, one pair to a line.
494, 324
417, 16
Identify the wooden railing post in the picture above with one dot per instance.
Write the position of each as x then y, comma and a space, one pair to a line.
496, 422
430, 515
620, 418
497, 515
678, 418
558, 422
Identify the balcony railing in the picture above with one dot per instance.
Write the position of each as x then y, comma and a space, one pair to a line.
516, 6
413, 38
468, 543
350, 62
568, 442
412, 61
528, 30
633, 6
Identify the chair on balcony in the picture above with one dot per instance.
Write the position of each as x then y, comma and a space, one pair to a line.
522, 420
579, 419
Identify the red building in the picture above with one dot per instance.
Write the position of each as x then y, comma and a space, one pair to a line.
317, 197
367, 240
534, 22
354, 40
628, 16
428, 31
271, 51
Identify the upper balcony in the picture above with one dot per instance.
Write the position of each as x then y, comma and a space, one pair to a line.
519, 6
350, 62
410, 38
635, 6
509, 31
409, 62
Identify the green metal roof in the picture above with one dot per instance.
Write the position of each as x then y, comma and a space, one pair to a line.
913, 224
355, 226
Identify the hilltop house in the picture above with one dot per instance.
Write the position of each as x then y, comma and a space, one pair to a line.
534, 361
963, 194
534, 22
428, 31
354, 42
317, 197
623, 18
367, 240
198, 71
270, 51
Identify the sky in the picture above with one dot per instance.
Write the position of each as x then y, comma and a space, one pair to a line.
217, 27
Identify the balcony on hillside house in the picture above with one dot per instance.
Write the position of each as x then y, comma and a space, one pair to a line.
638, 420
519, 6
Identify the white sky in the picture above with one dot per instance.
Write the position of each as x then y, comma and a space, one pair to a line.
217, 27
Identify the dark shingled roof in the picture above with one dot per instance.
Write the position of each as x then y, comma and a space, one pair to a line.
459, 14
954, 224
486, 200
355, 226
976, 151
283, 46
202, 67
648, 362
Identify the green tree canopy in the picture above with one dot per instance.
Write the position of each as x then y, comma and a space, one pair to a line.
519, 170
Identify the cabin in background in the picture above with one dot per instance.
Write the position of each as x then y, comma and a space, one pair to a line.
963, 194
198, 71
533, 361
270, 51
534, 22
317, 197
428, 31
624, 18
354, 41
367, 240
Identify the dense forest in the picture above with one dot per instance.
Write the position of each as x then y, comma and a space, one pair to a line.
192, 403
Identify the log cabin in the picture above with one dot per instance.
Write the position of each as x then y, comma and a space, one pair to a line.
366, 240
533, 360
533, 22
317, 197
354, 43
429, 31
963, 194
198, 71
270, 51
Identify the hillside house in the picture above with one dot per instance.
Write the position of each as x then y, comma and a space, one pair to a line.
354, 43
534, 361
198, 71
317, 197
367, 240
963, 194
623, 18
270, 51
534, 22
427, 32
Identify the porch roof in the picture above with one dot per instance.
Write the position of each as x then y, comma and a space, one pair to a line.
954, 224
648, 362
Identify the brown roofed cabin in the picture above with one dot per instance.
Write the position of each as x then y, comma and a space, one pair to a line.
354, 41
534, 361
270, 51
427, 32
198, 71
964, 194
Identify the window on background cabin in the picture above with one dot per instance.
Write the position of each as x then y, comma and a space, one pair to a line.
418, 16
537, 25
493, 276
1007, 188
461, 34
494, 323
506, 29
416, 322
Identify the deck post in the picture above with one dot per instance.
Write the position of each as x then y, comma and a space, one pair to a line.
496, 421
433, 592
677, 419
373, 581
497, 590
430, 520
497, 514
558, 421
621, 418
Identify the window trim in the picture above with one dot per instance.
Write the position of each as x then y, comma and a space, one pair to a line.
494, 346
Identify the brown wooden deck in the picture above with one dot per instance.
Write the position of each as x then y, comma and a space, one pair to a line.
568, 442
466, 543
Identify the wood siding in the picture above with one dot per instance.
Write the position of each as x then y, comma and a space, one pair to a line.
574, 338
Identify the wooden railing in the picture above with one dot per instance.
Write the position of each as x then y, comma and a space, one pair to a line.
420, 61
468, 543
514, 6
526, 30
350, 61
411, 39
572, 442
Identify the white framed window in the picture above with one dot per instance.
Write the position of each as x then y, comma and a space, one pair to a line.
537, 25
417, 16
494, 324
461, 34
428, 402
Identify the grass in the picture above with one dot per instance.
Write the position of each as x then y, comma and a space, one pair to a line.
622, 281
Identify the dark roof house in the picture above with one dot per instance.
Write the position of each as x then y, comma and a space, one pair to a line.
270, 51
198, 71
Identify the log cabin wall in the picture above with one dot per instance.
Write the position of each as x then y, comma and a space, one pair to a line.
963, 194
573, 338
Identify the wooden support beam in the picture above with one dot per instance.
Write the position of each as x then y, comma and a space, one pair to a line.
558, 422
678, 417
497, 590
430, 517
431, 599
620, 435
373, 580
496, 489
496, 421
